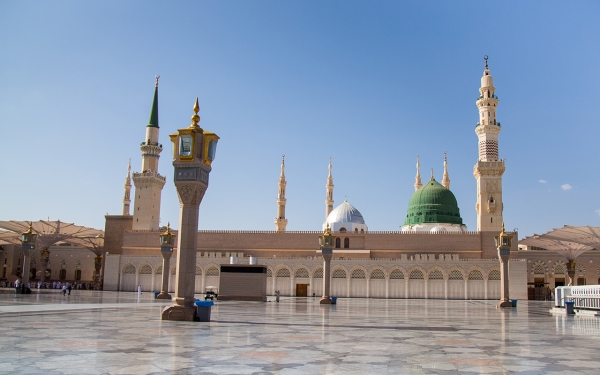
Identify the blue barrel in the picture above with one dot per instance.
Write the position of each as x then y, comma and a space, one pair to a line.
514, 302
333, 300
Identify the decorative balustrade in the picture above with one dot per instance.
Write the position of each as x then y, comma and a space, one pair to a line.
585, 297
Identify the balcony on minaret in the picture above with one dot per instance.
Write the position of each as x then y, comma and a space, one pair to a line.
151, 144
148, 174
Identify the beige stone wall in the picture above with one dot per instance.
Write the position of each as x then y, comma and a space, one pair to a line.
114, 232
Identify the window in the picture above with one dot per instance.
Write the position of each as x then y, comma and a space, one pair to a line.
283, 272
358, 274
301, 273
396, 274
378, 275
346, 243
339, 274
337, 243
342, 230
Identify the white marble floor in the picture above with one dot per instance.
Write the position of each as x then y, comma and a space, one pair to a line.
119, 333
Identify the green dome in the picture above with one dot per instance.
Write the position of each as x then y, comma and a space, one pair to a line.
432, 203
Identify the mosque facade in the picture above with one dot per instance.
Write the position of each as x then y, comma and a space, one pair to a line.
434, 255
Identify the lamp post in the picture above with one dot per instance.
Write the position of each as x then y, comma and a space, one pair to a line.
167, 241
503, 242
194, 150
27, 244
326, 242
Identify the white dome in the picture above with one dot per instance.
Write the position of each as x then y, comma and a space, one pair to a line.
347, 217
438, 229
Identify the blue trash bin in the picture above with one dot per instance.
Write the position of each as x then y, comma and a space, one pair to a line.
514, 302
333, 300
156, 294
570, 308
203, 310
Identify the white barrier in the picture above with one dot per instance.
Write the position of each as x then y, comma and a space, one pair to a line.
585, 297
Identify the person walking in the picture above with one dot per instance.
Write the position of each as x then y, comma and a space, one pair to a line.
277, 295
139, 290
64, 289
69, 288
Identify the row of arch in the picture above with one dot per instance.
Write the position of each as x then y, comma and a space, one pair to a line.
150, 277
415, 273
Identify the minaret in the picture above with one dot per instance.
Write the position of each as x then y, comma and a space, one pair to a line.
489, 170
126, 196
446, 178
281, 221
329, 193
418, 176
148, 183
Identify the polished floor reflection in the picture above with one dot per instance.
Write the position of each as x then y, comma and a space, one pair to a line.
120, 333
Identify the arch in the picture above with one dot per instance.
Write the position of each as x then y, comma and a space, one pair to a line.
212, 271
435, 274
346, 243
284, 272
302, 272
337, 242
355, 230
539, 268
494, 275
377, 274
146, 269
475, 275
318, 274
339, 273
174, 271
198, 270
342, 230
158, 270
416, 274
129, 268
455, 275
560, 268
581, 269
358, 273
397, 274
269, 272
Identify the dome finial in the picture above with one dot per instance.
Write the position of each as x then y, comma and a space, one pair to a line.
432, 174
446, 178
156, 83
418, 176
485, 58
195, 117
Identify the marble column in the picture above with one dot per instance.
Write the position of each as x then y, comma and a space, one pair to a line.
26, 265
504, 255
327, 254
164, 291
44, 258
571, 269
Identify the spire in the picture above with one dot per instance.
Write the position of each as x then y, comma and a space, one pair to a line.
282, 176
432, 178
153, 120
446, 178
485, 58
329, 192
127, 191
418, 176
280, 220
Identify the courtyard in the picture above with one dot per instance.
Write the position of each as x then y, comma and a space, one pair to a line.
121, 333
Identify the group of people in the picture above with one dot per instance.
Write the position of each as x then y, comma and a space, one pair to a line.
65, 287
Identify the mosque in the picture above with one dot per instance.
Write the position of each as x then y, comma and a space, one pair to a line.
434, 255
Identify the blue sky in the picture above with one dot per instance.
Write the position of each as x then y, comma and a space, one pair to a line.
371, 84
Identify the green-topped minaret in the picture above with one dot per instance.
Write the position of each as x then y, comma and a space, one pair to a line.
148, 183
153, 120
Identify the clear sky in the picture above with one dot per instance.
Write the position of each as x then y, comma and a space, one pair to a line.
371, 84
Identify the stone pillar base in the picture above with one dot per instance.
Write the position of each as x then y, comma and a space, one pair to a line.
325, 301
179, 313
504, 304
163, 296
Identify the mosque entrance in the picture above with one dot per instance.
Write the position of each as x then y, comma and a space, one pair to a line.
301, 290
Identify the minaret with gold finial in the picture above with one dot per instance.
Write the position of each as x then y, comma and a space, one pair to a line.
329, 193
489, 169
281, 221
127, 195
418, 176
148, 183
446, 177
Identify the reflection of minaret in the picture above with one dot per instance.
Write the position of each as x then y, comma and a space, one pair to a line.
281, 221
489, 170
329, 193
127, 197
446, 178
418, 176
148, 183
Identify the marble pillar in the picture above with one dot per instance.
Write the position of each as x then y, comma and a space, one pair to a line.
164, 291
504, 255
327, 253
